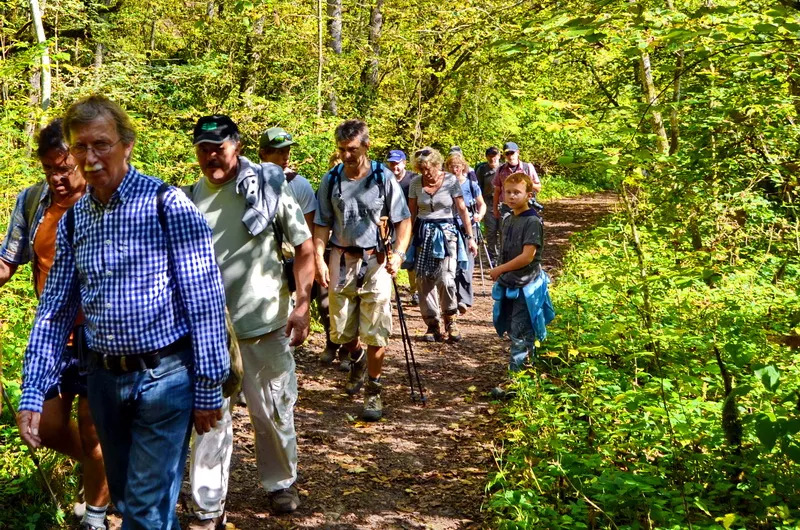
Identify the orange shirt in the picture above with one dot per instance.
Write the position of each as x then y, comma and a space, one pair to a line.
44, 245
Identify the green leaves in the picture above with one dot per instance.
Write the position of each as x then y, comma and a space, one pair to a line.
769, 376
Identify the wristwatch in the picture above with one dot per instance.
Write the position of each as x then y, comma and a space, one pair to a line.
469, 238
401, 254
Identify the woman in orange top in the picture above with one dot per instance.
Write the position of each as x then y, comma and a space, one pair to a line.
31, 238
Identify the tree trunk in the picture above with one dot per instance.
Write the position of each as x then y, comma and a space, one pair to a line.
153, 35
321, 61
674, 123
369, 74
335, 45
44, 78
656, 121
253, 58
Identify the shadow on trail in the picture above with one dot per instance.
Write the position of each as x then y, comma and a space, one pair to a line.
421, 467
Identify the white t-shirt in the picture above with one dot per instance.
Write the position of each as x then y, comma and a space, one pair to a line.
255, 290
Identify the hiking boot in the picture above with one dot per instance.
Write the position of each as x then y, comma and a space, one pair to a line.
329, 354
433, 333
373, 406
358, 370
450, 325
499, 393
215, 523
285, 500
344, 360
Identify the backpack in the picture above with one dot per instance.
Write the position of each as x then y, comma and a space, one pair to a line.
376, 175
233, 383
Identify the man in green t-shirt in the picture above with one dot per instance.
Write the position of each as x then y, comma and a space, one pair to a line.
244, 204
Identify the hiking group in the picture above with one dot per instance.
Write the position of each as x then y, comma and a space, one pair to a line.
160, 306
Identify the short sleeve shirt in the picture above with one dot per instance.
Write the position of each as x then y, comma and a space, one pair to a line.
405, 183
303, 193
505, 170
439, 205
485, 174
518, 231
256, 292
471, 191
355, 207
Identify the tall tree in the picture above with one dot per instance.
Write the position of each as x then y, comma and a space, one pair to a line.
335, 45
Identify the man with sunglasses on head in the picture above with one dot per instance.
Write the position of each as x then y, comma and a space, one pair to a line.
154, 305
511, 165
250, 207
32, 238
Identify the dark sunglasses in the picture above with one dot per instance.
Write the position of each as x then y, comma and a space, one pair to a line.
422, 152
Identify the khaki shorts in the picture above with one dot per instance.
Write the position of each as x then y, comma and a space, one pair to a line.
359, 312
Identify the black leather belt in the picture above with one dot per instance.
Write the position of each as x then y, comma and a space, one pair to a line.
123, 364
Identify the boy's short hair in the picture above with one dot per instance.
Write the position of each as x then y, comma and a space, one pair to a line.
519, 178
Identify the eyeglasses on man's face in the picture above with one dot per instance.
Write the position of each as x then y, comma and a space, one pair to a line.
99, 148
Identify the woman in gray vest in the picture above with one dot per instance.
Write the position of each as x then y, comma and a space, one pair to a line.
434, 198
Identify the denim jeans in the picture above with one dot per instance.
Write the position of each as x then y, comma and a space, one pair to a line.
521, 334
143, 421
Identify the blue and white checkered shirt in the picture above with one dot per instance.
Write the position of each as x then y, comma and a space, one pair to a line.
135, 301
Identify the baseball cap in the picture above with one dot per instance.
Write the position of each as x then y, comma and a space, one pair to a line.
275, 137
214, 129
510, 146
396, 155
492, 151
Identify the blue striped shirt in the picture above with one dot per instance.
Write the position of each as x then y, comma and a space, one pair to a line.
134, 297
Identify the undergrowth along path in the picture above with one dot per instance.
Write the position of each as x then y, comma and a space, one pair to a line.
421, 467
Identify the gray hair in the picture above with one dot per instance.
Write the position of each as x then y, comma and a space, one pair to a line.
351, 129
95, 107
428, 156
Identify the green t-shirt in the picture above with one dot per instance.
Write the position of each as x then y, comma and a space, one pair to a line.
256, 292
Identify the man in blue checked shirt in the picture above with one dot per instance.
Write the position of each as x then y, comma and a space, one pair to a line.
155, 325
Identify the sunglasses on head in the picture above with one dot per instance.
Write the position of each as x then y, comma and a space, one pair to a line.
281, 138
422, 152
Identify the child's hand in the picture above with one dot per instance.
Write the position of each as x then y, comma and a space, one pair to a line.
495, 273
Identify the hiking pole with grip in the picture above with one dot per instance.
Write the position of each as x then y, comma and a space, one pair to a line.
32, 451
411, 362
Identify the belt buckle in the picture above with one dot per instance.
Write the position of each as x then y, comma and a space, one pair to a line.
123, 364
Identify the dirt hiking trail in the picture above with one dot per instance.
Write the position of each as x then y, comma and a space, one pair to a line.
420, 467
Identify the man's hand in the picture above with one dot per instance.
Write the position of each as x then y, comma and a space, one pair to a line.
476, 219
495, 273
322, 275
205, 420
298, 325
394, 264
28, 424
473, 247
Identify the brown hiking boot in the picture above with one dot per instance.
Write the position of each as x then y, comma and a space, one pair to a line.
373, 405
358, 370
450, 325
284, 501
433, 333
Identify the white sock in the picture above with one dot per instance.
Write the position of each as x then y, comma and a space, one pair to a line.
95, 516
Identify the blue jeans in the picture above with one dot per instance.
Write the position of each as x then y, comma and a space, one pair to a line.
143, 421
522, 336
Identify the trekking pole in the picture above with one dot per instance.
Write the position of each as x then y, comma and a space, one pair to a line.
35, 458
477, 230
408, 350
